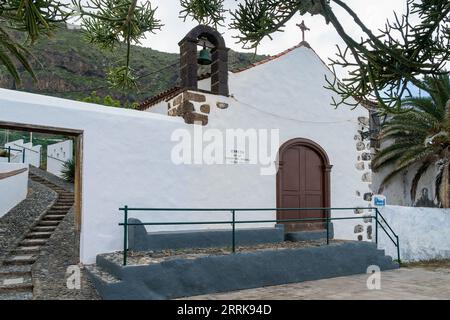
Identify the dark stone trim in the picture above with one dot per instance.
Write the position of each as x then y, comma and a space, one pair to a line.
188, 60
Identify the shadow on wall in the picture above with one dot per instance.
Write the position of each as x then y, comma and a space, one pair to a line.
424, 200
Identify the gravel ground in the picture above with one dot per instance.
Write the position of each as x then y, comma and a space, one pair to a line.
433, 265
148, 257
17, 221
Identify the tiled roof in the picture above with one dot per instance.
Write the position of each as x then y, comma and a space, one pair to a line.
167, 94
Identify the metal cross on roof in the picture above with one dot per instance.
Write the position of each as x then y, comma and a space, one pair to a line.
304, 28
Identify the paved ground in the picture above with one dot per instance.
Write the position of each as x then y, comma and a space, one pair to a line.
405, 283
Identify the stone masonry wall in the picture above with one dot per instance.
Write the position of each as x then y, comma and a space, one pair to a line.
363, 229
192, 107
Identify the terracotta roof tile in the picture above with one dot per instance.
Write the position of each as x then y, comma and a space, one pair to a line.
165, 95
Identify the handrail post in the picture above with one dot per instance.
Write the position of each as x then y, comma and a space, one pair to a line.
233, 246
125, 235
9, 154
398, 251
328, 227
23, 155
376, 226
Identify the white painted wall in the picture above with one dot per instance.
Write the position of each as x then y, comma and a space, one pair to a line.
127, 153
424, 233
57, 154
14, 189
288, 93
32, 153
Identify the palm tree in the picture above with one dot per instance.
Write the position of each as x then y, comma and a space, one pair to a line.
420, 136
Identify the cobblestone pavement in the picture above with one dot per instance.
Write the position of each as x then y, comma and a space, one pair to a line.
404, 283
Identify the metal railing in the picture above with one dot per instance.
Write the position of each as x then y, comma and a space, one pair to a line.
378, 217
9, 149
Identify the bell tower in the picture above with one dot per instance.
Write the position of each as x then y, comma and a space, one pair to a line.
211, 38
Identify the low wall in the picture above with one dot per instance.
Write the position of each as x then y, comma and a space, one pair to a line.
13, 185
424, 233
180, 277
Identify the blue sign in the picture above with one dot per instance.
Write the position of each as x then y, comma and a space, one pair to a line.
379, 201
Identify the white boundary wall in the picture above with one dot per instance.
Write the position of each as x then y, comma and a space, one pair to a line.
57, 154
13, 189
32, 153
424, 233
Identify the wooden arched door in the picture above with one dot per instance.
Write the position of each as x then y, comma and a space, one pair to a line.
303, 181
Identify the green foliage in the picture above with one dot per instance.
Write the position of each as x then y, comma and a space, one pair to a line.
33, 18
203, 11
108, 101
121, 77
256, 19
68, 171
420, 136
108, 23
9, 50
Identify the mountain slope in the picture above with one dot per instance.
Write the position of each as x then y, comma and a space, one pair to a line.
69, 67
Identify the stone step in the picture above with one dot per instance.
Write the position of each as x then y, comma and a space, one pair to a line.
15, 270
54, 217
38, 235
66, 197
26, 295
20, 260
15, 285
64, 203
32, 242
101, 275
60, 208
43, 228
48, 223
27, 250
57, 211
11, 282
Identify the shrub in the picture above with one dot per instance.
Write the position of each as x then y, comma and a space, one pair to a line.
68, 171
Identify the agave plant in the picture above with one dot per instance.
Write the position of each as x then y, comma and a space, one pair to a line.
68, 171
420, 137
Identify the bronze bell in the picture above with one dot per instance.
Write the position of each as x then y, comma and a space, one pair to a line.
204, 57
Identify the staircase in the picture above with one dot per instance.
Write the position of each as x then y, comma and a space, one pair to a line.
15, 271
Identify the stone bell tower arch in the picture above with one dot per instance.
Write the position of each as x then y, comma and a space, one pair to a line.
189, 65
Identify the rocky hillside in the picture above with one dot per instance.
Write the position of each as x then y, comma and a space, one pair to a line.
69, 67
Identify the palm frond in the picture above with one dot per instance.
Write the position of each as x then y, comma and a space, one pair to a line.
415, 182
